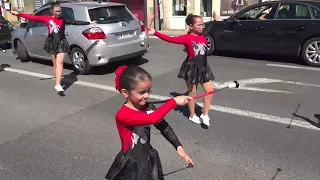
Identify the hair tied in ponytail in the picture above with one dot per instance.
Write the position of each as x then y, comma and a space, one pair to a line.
118, 73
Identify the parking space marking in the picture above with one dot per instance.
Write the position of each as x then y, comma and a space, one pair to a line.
228, 110
294, 67
245, 82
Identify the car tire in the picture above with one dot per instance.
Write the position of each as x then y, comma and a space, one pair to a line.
305, 52
22, 52
80, 61
211, 44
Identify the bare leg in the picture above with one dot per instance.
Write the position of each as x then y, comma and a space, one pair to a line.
208, 86
192, 91
59, 67
53, 57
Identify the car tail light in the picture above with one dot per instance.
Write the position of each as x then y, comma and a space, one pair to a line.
94, 33
142, 26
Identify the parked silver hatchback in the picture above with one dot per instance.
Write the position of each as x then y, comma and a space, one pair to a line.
117, 35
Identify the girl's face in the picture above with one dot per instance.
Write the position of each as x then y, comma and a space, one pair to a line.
56, 12
138, 96
198, 26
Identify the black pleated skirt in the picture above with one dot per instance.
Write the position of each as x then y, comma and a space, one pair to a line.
140, 163
55, 47
196, 70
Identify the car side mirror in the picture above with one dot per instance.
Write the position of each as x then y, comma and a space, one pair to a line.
23, 25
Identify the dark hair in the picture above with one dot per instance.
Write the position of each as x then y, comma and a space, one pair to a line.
190, 19
54, 4
128, 77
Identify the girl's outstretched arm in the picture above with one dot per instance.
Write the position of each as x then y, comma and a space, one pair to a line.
138, 118
33, 17
170, 39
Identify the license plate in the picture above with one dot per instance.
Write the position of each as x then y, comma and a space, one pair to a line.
124, 35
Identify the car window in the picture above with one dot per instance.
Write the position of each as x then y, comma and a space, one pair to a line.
316, 12
40, 13
113, 14
260, 12
293, 11
67, 13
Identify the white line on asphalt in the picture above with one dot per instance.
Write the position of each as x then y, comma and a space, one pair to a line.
294, 67
254, 115
244, 82
228, 110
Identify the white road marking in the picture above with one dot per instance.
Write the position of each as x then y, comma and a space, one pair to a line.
228, 110
294, 67
244, 82
254, 115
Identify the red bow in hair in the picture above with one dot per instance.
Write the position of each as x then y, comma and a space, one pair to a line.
118, 72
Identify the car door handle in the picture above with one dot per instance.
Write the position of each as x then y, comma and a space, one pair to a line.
44, 34
259, 28
301, 28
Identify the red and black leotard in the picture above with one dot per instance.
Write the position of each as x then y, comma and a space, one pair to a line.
195, 69
137, 160
56, 41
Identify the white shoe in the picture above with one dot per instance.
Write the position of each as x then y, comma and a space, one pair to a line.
205, 119
195, 119
58, 88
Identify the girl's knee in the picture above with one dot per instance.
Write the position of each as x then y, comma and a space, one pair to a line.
192, 89
208, 86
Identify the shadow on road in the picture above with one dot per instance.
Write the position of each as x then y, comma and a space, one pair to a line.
185, 109
100, 70
5, 47
3, 66
176, 171
276, 174
111, 68
68, 80
316, 124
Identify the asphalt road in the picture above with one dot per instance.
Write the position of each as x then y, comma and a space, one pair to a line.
45, 136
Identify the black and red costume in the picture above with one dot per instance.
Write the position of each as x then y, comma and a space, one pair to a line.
56, 41
137, 160
195, 69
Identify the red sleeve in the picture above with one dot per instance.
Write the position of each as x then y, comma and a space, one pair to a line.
33, 18
138, 118
173, 39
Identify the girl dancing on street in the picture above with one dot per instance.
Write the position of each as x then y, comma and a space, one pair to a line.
138, 160
195, 69
56, 43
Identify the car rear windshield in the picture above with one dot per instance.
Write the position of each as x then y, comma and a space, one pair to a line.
112, 14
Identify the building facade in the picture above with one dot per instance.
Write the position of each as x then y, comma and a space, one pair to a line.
173, 12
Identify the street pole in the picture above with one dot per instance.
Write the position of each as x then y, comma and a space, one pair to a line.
156, 18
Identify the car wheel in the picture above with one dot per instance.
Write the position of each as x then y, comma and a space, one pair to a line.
211, 44
22, 52
311, 52
80, 61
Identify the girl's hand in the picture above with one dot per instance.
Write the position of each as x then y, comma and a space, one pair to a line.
93, 22
184, 155
182, 100
14, 13
151, 30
